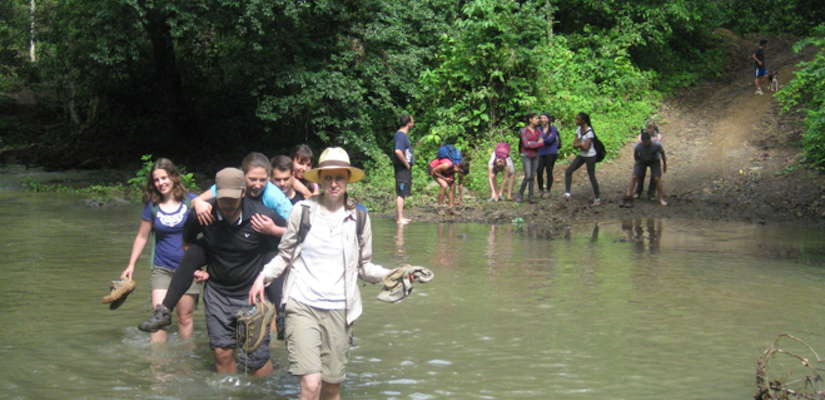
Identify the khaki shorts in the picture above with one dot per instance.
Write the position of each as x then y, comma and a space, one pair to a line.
161, 277
317, 341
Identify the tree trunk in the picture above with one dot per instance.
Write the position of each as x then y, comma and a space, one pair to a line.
549, 22
31, 33
171, 107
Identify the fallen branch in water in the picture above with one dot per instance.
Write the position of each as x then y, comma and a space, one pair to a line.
779, 386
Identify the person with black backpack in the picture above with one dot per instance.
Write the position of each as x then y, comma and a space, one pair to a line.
585, 141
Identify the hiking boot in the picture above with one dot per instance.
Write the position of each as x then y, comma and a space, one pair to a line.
531, 200
253, 323
160, 318
518, 199
596, 202
546, 195
118, 292
453, 211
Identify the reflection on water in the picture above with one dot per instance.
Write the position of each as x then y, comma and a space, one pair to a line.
608, 310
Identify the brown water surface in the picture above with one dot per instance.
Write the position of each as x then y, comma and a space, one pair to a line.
645, 309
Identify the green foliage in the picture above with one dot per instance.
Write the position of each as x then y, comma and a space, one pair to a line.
138, 182
806, 94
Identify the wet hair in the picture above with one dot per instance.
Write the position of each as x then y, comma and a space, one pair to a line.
282, 163
763, 42
256, 160
301, 153
500, 164
645, 136
464, 167
530, 116
152, 194
585, 118
405, 120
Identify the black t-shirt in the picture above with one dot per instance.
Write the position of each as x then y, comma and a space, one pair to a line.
235, 253
760, 55
298, 197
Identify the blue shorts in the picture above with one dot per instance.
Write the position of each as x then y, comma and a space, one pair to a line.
761, 72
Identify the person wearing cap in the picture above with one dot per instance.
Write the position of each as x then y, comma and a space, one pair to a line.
321, 302
235, 252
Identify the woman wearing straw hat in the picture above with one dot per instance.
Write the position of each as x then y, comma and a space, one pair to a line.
321, 295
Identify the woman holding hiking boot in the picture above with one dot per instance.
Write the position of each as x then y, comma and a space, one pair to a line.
323, 264
167, 207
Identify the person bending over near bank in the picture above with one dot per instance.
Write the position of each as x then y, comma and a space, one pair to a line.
647, 155
759, 61
321, 302
548, 153
235, 253
402, 162
500, 163
587, 156
166, 211
283, 177
463, 171
302, 162
531, 141
443, 171
656, 137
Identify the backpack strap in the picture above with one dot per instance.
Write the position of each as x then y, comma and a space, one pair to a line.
155, 208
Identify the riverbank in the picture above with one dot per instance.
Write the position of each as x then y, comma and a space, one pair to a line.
731, 157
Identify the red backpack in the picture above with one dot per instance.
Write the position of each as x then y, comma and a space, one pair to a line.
502, 151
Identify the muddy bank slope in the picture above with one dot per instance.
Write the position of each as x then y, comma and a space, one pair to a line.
731, 157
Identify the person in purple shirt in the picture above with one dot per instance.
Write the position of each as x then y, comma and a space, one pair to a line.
547, 153
164, 216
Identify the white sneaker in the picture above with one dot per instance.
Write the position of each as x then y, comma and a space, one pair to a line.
597, 202
567, 196
759, 91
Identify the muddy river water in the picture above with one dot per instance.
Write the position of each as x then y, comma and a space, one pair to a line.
644, 309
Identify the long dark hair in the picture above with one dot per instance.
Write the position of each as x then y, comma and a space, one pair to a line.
586, 119
151, 193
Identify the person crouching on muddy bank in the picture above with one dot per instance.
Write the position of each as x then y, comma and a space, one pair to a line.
647, 155
443, 171
321, 295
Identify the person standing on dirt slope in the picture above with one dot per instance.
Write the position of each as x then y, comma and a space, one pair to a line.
547, 153
656, 137
531, 142
761, 70
647, 155
587, 156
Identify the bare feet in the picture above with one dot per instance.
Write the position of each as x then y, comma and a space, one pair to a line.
403, 221
663, 202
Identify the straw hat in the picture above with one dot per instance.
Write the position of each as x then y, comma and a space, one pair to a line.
334, 158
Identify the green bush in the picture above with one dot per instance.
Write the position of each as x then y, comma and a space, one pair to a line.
806, 94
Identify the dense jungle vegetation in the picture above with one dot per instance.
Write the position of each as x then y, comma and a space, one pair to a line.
100, 83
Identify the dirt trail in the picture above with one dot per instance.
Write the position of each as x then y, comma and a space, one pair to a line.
730, 157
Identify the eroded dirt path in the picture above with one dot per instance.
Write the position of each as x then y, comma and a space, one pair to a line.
731, 156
